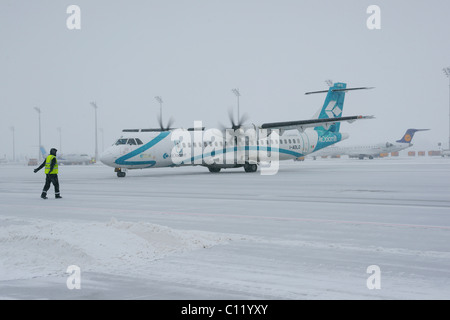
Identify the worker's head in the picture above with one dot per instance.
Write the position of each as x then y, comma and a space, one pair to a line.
53, 151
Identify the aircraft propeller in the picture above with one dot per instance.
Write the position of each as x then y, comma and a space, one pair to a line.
169, 123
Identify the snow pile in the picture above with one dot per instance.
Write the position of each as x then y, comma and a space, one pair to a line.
34, 248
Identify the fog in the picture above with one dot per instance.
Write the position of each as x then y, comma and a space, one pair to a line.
193, 53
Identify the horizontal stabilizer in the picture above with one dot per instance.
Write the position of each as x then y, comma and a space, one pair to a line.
340, 90
301, 125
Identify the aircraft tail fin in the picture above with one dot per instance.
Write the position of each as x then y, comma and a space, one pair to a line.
334, 104
43, 152
409, 134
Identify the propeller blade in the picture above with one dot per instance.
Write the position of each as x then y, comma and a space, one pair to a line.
169, 124
243, 119
159, 118
221, 126
231, 117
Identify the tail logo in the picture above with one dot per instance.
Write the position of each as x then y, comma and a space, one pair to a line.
328, 139
332, 110
408, 137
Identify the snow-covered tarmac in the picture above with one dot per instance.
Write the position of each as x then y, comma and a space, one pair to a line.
309, 232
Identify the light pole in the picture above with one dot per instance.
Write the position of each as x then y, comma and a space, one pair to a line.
238, 94
447, 73
14, 146
60, 140
94, 105
159, 99
39, 147
101, 131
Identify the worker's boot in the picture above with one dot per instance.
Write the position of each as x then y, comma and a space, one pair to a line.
44, 195
58, 196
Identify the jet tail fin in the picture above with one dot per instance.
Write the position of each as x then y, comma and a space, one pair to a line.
409, 134
43, 152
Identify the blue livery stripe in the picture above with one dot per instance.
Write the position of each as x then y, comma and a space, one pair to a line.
123, 160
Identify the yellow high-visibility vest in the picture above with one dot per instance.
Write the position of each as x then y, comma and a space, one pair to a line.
48, 163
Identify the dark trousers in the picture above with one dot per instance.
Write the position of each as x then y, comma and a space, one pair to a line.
51, 178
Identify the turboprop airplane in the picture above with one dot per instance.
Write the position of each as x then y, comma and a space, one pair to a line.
241, 146
370, 151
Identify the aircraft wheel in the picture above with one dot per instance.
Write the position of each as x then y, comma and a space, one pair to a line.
121, 174
214, 169
250, 167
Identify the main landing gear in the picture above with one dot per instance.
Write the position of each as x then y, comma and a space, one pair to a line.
250, 167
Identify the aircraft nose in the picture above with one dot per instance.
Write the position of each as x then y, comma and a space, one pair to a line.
107, 158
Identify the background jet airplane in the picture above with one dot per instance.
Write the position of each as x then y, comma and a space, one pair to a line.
370, 151
69, 159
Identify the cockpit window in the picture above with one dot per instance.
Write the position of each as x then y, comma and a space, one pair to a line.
138, 141
131, 142
121, 141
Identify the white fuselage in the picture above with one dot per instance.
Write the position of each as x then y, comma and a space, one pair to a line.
138, 149
363, 150
74, 159
445, 153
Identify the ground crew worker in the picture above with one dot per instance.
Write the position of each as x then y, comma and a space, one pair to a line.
51, 173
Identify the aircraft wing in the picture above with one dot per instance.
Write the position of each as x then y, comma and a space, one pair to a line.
301, 125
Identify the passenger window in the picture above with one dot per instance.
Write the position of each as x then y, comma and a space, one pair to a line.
290, 141
139, 141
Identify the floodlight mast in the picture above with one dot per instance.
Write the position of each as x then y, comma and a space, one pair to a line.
159, 99
60, 140
103, 140
238, 94
39, 147
14, 144
94, 105
447, 73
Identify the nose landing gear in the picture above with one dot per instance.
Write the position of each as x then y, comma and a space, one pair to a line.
120, 173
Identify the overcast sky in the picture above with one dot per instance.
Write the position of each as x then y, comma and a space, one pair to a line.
193, 52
